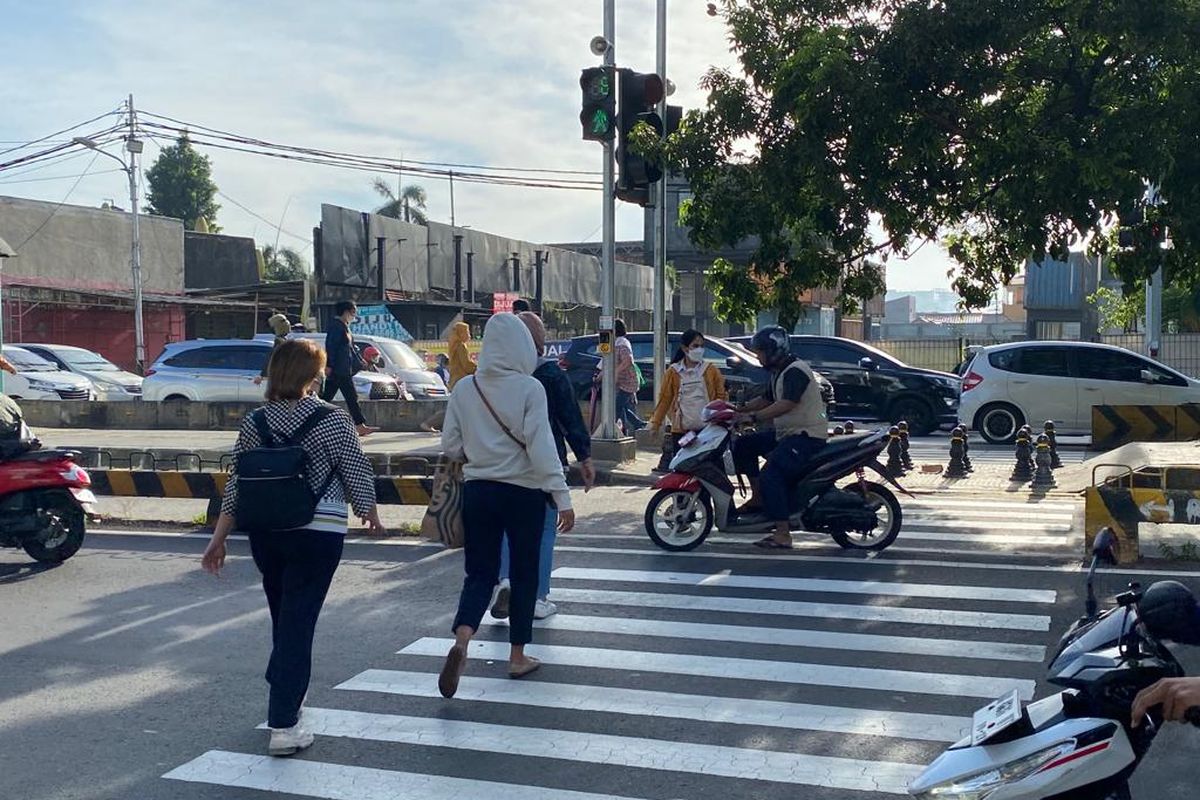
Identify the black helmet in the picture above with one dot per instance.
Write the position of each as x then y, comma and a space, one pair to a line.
1168, 609
772, 342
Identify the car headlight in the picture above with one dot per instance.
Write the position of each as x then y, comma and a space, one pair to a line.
980, 785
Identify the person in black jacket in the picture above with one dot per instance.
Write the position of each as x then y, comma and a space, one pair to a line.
344, 362
566, 423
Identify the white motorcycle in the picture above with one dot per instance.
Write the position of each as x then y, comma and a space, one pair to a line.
1078, 744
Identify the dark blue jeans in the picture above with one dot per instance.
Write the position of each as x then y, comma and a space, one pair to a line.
627, 412
297, 568
491, 508
787, 461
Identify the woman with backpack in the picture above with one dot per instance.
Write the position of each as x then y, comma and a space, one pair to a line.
498, 424
307, 464
689, 384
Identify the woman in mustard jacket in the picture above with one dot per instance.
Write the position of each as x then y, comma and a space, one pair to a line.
460, 366
689, 384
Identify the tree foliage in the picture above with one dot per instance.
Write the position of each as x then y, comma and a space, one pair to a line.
283, 264
1008, 129
409, 206
1125, 310
181, 185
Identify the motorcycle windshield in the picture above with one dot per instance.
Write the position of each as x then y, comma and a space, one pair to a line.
1102, 634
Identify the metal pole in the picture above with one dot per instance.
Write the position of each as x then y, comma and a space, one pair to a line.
608, 296
139, 331
660, 220
1154, 288
452, 199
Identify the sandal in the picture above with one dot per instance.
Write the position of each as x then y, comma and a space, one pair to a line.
529, 666
771, 543
452, 670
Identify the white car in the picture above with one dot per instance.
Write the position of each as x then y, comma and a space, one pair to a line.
399, 361
1008, 385
223, 370
112, 383
38, 379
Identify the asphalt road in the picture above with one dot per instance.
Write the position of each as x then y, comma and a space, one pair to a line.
128, 673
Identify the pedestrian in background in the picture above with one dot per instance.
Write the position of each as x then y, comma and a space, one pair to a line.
461, 364
498, 424
280, 326
443, 368
689, 384
566, 424
628, 381
297, 565
520, 306
344, 364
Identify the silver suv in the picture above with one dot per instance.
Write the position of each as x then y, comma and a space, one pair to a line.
223, 370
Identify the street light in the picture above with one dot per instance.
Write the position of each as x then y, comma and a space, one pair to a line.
133, 147
6, 252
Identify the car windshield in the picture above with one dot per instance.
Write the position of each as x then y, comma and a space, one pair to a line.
85, 361
400, 354
26, 361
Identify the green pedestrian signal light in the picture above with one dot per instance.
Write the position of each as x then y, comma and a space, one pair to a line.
599, 115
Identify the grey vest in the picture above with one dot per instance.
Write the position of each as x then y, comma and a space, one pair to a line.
807, 416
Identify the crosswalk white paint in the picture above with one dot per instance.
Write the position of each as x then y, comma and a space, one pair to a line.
792, 637
625, 751
748, 669
795, 608
702, 708
342, 782
1063, 538
725, 579
936, 501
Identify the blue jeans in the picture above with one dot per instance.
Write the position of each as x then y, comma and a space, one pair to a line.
787, 461
545, 558
627, 412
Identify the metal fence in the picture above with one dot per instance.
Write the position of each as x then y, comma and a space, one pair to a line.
1179, 351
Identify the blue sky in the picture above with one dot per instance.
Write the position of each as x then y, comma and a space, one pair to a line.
462, 81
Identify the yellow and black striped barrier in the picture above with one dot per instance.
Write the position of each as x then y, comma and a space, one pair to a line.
1113, 426
404, 491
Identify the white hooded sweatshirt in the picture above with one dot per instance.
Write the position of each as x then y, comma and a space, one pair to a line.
470, 433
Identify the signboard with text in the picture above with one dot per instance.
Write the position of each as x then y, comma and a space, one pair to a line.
503, 301
379, 321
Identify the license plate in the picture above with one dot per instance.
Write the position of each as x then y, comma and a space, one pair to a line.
995, 717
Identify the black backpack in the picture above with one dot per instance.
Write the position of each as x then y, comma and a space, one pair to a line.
272, 479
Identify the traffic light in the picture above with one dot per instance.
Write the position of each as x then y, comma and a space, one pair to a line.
599, 114
1129, 218
640, 95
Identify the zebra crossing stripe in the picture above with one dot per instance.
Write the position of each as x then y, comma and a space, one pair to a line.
1051, 539
342, 782
983, 525
791, 637
726, 580
1031, 513
939, 501
747, 669
701, 708
794, 608
625, 751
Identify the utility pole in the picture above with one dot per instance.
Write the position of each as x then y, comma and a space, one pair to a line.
608, 297
1154, 291
660, 218
134, 148
452, 200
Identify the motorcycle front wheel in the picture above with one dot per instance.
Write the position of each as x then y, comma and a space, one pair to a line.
62, 533
888, 518
677, 520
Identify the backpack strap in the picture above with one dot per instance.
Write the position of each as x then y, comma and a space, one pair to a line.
306, 427
259, 417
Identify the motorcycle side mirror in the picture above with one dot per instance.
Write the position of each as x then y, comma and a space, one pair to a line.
1104, 546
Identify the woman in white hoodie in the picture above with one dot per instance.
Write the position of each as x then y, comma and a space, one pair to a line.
497, 423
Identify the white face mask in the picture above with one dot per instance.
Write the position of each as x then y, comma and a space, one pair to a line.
694, 354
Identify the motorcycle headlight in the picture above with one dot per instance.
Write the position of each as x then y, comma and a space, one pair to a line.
980, 785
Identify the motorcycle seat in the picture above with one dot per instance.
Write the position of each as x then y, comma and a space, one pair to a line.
840, 445
44, 455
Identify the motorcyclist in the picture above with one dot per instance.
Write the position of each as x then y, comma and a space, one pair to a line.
799, 427
1175, 695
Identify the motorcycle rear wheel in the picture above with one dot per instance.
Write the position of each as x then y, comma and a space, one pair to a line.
881, 537
63, 533
665, 524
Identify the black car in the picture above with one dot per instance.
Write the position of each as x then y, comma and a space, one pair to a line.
869, 384
745, 378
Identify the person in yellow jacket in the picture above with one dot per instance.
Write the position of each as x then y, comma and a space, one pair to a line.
689, 384
460, 366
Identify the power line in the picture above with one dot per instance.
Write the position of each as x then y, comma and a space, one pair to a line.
57, 151
56, 177
48, 136
61, 203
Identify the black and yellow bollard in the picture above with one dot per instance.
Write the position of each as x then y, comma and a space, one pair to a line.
849, 426
1023, 471
957, 467
966, 440
905, 457
1043, 477
894, 467
1055, 461
839, 431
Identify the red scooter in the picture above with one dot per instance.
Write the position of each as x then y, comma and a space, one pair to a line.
45, 499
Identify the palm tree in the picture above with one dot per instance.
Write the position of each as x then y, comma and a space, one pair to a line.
409, 206
283, 264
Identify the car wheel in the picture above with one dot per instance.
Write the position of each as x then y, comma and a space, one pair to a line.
916, 413
998, 423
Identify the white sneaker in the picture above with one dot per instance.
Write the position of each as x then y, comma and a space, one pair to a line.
543, 609
501, 600
289, 741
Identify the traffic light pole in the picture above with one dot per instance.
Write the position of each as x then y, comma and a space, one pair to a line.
660, 219
1154, 292
608, 386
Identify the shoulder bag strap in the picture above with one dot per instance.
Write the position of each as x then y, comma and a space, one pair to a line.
496, 416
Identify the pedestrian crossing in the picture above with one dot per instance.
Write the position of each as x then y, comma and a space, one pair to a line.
721, 672
980, 453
